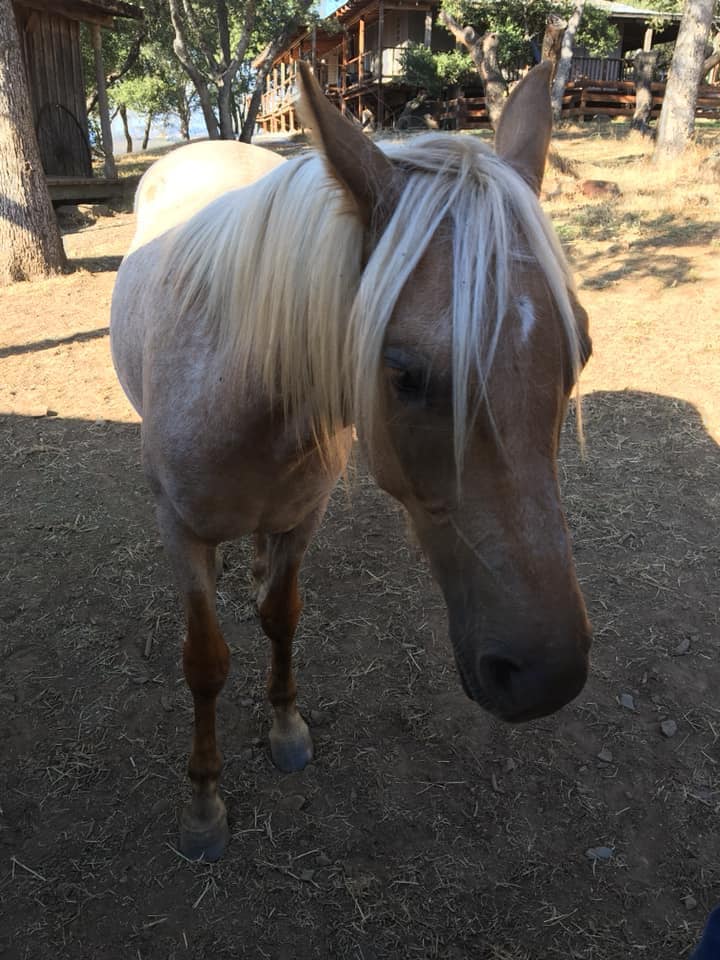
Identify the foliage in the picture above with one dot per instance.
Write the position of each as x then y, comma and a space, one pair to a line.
521, 26
156, 84
435, 71
455, 67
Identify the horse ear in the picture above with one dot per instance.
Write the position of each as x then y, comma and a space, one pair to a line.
525, 126
353, 158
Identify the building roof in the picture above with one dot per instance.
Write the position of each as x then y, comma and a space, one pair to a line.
327, 8
624, 11
87, 11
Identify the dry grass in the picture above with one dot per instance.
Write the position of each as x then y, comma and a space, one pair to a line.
424, 829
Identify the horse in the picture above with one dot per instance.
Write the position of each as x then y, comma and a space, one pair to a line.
198, 173
415, 291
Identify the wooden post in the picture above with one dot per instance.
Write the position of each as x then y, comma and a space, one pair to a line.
361, 49
647, 40
343, 72
313, 50
381, 102
103, 108
428, 29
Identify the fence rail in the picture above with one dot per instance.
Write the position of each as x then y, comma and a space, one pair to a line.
584, 99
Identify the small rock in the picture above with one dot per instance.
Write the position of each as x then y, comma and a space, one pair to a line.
94, 210
605, 755
160, 806
509, 765
599, 853
166, 702
626, 700
683, 647
32, 410
294, 801
307, 875
669, 728
323, 860
599, 189
690, 902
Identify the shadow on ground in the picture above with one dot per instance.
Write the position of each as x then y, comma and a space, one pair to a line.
423, 828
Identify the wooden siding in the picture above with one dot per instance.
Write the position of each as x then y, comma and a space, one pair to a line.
51, 47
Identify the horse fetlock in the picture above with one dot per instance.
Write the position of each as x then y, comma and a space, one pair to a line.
204, 772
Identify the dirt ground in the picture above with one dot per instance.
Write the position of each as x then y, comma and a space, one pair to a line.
424, 828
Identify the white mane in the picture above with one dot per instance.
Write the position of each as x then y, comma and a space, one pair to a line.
276, 270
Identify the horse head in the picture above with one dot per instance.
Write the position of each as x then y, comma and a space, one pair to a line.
473, 367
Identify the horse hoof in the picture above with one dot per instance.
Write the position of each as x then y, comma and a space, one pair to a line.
291, 750
200, 841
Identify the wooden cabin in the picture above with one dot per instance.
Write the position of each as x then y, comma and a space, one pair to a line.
49, 33
638, 29
357, 57
358, 60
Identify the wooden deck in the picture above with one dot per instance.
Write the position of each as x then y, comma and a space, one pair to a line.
91, 189
584, 99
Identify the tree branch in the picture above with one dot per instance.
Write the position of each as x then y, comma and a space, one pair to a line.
465, 35
714, 59
127, 64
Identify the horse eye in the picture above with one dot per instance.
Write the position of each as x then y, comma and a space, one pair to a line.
408, 384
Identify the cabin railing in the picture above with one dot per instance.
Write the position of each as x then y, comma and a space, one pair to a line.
583, 99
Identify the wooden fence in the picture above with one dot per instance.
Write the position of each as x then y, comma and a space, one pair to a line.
584, 99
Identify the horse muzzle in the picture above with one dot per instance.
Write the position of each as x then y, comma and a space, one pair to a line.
517, 688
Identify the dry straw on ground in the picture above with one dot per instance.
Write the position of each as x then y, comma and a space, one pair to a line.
423, 829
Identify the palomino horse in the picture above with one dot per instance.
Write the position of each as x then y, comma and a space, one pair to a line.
420, 293
186, 180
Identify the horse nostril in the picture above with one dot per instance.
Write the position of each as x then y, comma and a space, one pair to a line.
520, 691
499, 673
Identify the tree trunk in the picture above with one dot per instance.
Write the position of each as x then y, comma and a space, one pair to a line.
562, 73
102, 101
677, 117
483, 51
225, 109
552, 41
645, 63
122, 110
248, 127
199, 82
714, 59
30, 244
493, 80
184, 117
146, 135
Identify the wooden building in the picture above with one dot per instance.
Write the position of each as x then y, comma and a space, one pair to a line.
50, 40
358, 57
638, 29
358, 60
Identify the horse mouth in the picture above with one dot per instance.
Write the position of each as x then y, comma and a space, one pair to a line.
509, 711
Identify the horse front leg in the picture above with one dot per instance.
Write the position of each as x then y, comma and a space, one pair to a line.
280, 606
206, 660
